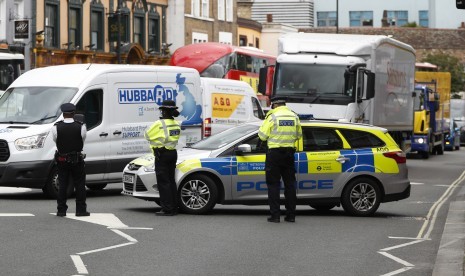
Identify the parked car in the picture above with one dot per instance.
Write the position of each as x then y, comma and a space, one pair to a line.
354, 165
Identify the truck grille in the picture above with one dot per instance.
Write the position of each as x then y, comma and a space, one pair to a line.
4, 151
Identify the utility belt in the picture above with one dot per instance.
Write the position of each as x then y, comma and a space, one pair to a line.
283, 150
158, 151
70, 158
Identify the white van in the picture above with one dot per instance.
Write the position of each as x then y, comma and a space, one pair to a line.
118, 102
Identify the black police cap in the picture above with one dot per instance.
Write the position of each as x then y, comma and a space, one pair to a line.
278, 100
168, 104
68, 108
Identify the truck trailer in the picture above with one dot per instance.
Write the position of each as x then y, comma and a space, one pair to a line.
354, 78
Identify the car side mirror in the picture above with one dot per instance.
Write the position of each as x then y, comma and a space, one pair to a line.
244, 148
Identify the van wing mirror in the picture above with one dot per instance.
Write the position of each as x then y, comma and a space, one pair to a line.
80, 118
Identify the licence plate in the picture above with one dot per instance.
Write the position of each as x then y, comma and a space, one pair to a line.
128, 178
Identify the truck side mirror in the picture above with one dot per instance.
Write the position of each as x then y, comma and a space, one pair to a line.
262, 80
370, 85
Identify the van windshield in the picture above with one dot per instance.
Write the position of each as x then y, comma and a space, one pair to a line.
225, 138
33, 105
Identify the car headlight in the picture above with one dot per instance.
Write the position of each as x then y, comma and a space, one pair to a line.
420, 140
149, 168
31, 142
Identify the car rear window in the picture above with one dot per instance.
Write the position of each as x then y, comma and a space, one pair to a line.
361, 139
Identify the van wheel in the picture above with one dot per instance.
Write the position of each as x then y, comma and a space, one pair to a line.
197, 194
361, 197
51, 187
323, 207
97, 187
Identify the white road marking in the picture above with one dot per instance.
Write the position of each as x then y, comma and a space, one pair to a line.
398, 271
105, 248
416, 183
126, 236
440, 185
432, 214
404, 238
16, 215
79, 264
108, 220
402, 245
399, 260
9, 190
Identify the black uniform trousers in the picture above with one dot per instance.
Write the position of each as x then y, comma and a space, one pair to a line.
280, 164
78, 174
165, 166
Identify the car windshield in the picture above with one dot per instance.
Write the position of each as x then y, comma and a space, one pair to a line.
225, 138
33, 105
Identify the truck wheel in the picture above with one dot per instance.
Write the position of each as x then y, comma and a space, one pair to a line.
440, 150
97, 187
361, 197
51, 187
322, 207
425, 154
197, 194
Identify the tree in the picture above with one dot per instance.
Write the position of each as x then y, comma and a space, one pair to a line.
449, 63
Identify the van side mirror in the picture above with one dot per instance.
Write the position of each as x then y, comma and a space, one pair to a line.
80, 118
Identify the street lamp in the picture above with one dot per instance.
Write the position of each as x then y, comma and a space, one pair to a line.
337, 16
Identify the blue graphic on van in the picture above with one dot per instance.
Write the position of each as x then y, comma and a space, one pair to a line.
190, 111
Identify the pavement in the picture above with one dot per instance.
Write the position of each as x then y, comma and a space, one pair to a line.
450, 259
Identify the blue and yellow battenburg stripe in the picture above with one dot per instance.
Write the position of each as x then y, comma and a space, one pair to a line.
359, 160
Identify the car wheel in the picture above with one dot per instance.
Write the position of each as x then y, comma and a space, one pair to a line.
322, 207
51, 187
361, 197
197, 194
97, 187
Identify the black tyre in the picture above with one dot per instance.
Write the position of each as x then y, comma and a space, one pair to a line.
361, 197
197, 194
425, 154
97, 187
322, 207
440, 150
51, 187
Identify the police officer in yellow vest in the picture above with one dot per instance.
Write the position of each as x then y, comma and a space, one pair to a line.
281, 129
163, 137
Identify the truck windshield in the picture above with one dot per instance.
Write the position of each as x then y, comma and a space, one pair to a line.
33, 105
310, 83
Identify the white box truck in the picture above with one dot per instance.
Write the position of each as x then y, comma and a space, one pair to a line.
118, 103
355, 78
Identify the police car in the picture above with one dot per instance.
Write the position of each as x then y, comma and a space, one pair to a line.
354, 165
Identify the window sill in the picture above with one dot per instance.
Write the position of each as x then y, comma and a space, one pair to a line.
200, 18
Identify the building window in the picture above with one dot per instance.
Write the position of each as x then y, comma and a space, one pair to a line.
154, 32
221, 10
242, 40
199, 37
51, 24
397, 18
361, 18
205, 8
229, 10
326, 19
423, 18
257, 43
225, 38
139, 31
74, 27
96, 29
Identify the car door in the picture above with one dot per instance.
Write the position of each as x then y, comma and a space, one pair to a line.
248, 177
323, 164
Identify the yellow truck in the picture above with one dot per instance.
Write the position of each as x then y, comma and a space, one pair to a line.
432, 112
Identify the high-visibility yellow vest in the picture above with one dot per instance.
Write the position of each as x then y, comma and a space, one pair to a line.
163, 133
281, 128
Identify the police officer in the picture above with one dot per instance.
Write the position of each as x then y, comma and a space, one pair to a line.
281, 129
163, 137
69, 136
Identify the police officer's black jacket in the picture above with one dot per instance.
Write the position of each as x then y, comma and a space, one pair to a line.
69, 137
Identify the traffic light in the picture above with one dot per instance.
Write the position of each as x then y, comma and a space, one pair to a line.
460, 4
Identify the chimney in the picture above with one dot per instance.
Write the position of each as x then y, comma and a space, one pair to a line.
384, 21
269, 18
